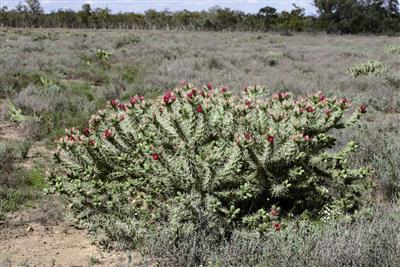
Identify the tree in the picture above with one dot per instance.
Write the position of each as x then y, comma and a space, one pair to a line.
343, 16
392, 7
21, 8
34, 6
85, 13
269, 16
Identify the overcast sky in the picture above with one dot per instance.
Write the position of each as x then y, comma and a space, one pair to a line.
140, 5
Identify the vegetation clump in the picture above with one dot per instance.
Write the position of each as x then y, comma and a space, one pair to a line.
202, 160
393, 49
127, 40
103, 54
15, 114
372, 67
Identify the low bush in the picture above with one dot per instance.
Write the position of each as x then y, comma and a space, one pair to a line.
373, 67
393, 49
57, 108
40, 36
387, 161
103, 54
127, 40
15, 188
209, 162
14, 114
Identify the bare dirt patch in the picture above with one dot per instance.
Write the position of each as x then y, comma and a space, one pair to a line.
11, 131
27, 241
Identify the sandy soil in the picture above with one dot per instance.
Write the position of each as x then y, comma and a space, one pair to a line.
25, 241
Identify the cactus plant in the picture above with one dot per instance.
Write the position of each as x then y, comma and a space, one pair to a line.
204, 159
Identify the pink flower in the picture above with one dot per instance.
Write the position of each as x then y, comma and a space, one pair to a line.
310, 109
194, 91
328, 113
322, 98
92, 142
87, 131
114, 103
307, 138
122, 106
248, 103
203, 94
270, 138
107, 133
363, 108
274, 212
209, 86
141, 98
223, 89
277, 226
247, 135
281, 96
169, 97
199, 109
189, 95
155, 156
133, 100
301, 110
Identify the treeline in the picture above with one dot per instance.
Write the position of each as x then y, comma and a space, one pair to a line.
334, 16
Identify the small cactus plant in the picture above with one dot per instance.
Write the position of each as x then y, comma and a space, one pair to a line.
103, 54
373, 67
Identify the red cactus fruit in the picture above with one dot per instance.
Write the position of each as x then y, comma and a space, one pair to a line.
277, 226
363, 108
107, 133
155, 156
114, 102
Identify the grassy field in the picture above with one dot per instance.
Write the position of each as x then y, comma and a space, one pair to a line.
58, 78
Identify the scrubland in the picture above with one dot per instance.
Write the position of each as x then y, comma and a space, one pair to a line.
56, 79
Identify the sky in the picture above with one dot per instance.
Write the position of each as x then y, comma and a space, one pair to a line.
251, 6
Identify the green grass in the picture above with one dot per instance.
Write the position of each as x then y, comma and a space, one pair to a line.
19, 188
36, 179
13, 199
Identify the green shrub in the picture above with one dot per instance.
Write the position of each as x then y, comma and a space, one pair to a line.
393, 49
127, 40
7, 158
203, 160
14, 189
24, 147
373, 67
393, 82
15, 114
386, 164
103, 54
35, 178
44, 36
